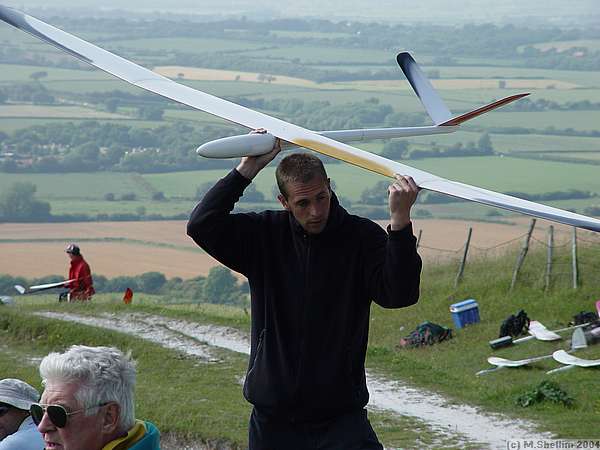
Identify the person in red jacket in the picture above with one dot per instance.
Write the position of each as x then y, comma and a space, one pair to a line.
82, 286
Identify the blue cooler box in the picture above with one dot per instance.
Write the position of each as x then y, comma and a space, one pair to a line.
464, 313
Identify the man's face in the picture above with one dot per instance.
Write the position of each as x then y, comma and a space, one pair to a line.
309, 203
10, 420
81, 432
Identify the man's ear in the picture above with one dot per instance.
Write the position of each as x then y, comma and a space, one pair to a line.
283, 202
110, 417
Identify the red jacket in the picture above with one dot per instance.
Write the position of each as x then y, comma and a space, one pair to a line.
82, 286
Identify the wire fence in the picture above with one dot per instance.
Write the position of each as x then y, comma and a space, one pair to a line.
544, 258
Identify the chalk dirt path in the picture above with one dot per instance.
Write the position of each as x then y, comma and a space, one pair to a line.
462, 423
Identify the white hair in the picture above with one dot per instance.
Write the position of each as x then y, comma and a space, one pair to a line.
104, 374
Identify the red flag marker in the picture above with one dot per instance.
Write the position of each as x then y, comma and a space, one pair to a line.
128, 297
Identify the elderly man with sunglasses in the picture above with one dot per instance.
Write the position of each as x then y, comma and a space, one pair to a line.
17, 430
88, 402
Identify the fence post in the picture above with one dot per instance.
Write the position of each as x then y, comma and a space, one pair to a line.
549, 257
574, 257
464, 259
521, 257
419, 237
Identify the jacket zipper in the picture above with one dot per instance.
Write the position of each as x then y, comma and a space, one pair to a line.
303, 314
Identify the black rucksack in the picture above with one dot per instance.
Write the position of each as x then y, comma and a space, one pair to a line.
584, 317
426, 334
515, 325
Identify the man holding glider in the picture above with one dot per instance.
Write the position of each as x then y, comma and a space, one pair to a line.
313, 270
82, 286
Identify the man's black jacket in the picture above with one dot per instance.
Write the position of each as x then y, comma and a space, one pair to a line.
311, 297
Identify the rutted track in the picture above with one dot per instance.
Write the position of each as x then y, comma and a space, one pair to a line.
462, 422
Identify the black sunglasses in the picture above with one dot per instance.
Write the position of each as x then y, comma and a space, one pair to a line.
4, 410
57, 414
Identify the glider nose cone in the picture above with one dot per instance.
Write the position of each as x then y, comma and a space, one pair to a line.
237, 146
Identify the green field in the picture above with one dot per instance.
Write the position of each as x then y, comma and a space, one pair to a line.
513, 143
84, 193
182, 45
82, 186
63, 112
493, 172
94, 207
309, 54
9, 125
584, 78
577, 120
16, 73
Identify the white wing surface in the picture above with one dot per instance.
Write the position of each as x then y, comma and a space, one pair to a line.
564, 358
150, 81
541, 333
502, 362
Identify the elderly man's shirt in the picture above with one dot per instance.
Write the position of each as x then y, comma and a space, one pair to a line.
143, 436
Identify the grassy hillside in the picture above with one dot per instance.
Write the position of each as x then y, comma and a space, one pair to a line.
218, 411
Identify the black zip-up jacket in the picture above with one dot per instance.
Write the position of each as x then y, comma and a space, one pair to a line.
310, 295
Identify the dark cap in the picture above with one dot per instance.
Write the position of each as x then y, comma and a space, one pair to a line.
73, 249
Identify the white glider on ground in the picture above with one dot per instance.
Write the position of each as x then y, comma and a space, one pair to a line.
325, 142
578, 341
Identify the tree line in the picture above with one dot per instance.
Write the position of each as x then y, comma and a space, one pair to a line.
219, 286
515, 42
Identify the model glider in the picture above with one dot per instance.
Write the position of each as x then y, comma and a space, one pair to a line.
329, 143
578, 342
40, 287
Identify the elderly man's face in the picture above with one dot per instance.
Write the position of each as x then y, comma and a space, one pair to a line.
81, 432
10, 420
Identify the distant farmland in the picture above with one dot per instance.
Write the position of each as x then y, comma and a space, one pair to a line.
131, 248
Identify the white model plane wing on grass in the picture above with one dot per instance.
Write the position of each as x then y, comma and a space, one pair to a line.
565, 358
541, 333
327, 142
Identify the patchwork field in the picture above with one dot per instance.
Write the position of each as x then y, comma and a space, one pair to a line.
195, 73
130, 248
56, 112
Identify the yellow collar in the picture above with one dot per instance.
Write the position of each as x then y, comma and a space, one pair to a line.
135, 434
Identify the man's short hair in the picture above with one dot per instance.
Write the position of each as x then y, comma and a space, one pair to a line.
298, 167
105, 374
